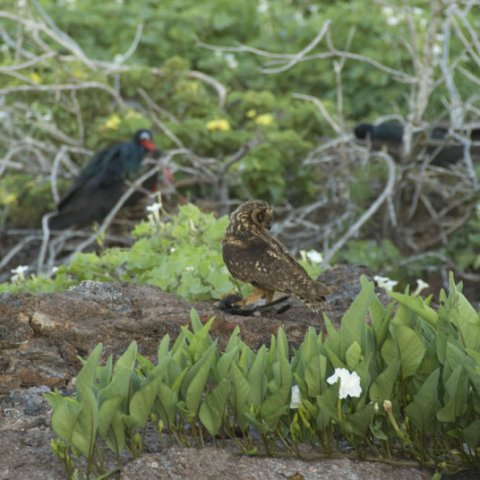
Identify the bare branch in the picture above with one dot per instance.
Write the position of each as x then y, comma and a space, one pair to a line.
387, 192
64, 87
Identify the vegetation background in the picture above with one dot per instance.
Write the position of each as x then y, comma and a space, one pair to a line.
247, 99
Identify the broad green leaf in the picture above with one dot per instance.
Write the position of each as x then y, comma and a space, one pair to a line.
116, 437
167, 404
196, 379
411, 349
471, 434
106, 414
274, 407
423, 409
120, 385
315, 373
360, 420
212, 409
180, 348
464, 316
333, 336
86, 377
308, 349
378, 433
455, 403
282, 343
240, 396
327, 403
257, 377
382, 387
380, 320
234, 340
389, 351
64, 418
224, 364
334, 359
456, 356
353, 326
163, 348
197, 325
85, 432
201, 340
141, 403
417, 305
104, 373
353, 355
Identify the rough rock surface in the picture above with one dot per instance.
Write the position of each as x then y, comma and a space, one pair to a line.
214, 464
42, 336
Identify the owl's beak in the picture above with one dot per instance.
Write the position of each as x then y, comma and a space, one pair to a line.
268, 225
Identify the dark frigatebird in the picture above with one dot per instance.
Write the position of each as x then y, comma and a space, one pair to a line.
434, 142
102, 182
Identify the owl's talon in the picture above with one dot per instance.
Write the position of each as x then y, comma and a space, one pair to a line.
236, 305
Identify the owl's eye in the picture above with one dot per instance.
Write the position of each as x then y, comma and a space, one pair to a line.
261, 217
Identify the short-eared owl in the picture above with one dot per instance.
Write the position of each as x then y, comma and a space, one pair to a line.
252, 255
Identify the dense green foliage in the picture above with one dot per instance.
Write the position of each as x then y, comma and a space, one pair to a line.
180, 254
178, 30
418, 370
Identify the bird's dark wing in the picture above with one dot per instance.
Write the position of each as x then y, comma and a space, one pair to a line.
104, 168
264, 262
389, 132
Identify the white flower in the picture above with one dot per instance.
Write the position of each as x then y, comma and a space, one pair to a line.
154, 210
385, 282
189, 268
314, 256
19, 273
421, 285
230, 60
154, 207
298, 16
262, 6
349, 383
392, 19
296, 400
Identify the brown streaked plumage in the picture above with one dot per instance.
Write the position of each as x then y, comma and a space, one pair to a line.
252, 255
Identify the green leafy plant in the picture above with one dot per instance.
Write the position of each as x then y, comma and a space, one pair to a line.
180, 254
403, 384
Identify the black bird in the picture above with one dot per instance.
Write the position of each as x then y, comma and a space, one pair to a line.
102, 182
433, 142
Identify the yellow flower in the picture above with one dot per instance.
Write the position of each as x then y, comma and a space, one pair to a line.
35, 77
190, 88
132, 114
252, 113
218, 125
264, 120
113, 122
7, 198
